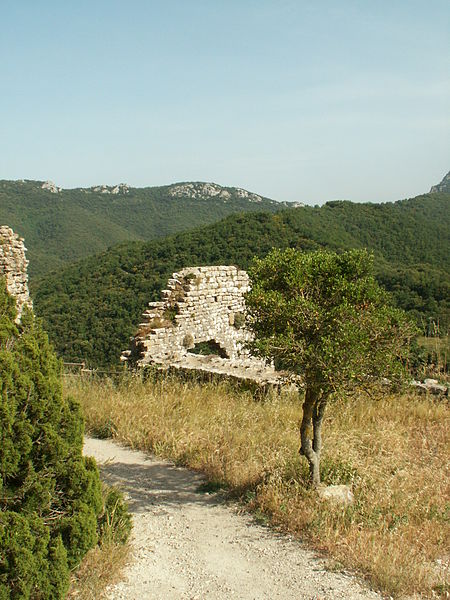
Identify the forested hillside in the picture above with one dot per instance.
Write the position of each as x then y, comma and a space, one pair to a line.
61, 226
92, 307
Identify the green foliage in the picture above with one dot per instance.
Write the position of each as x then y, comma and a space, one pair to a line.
92, 308
323, 316
239, 320
208, 348
65, 227
49, 494
170, 313
430, 356
33, 564
114, 522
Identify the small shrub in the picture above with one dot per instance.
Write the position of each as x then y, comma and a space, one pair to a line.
157, 323
104, 430
239, 320
190, 278
188, 341
337, 471
114, 522
170, 313
208, 348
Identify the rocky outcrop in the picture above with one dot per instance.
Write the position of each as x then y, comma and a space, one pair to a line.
51, 187
339, 494
121, 188
198, 325
210, 190
13, 266
430, 386
443, 186
201, 191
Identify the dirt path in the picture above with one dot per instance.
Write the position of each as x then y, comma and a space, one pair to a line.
190, 545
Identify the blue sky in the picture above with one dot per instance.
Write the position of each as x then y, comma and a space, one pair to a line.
296, 100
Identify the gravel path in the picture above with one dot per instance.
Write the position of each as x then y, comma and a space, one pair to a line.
190, 545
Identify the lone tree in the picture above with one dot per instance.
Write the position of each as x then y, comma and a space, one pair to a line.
323, 316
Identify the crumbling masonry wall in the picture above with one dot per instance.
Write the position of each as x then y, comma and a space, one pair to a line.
200, 304
13, 266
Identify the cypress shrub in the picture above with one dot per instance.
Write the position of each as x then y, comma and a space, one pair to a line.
50, 495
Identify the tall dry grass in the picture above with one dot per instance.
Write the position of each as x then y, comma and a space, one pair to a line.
101, 567
437, 359
392, 450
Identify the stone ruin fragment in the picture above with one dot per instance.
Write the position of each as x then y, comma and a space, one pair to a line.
13, 266
198, 325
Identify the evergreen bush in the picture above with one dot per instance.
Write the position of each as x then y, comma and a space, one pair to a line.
50, 495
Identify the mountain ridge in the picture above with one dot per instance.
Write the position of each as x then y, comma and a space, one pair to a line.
64, 225
192, 189
103, 296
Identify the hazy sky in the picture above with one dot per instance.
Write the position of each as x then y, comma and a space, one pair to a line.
296, 100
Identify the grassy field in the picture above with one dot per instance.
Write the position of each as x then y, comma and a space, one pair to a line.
392, 450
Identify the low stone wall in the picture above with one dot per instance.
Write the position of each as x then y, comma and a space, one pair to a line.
13, 266
200, 304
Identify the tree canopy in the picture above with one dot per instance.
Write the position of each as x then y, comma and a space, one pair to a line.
323, 316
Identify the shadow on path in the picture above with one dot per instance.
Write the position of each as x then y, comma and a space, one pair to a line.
156, 484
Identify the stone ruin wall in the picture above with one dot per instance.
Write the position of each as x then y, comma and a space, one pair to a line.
200, 304
13, 266
204, 304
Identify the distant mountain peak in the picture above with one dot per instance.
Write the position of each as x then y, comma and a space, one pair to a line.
194, 190
443, 186
211, 190
121, 188
51, 187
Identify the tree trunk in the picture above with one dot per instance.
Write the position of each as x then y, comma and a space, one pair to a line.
317, 418
310, 432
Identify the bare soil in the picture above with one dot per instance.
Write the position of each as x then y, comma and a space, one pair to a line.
188, 544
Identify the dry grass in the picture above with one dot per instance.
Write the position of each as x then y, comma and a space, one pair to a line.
392, 450
102, 566
438, 349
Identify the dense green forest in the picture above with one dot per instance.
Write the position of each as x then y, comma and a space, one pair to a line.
63, 227
93, 307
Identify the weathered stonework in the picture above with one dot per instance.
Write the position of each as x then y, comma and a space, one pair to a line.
206, 304
13, 266
200, 304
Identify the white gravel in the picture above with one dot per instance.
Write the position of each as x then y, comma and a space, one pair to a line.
192, 546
